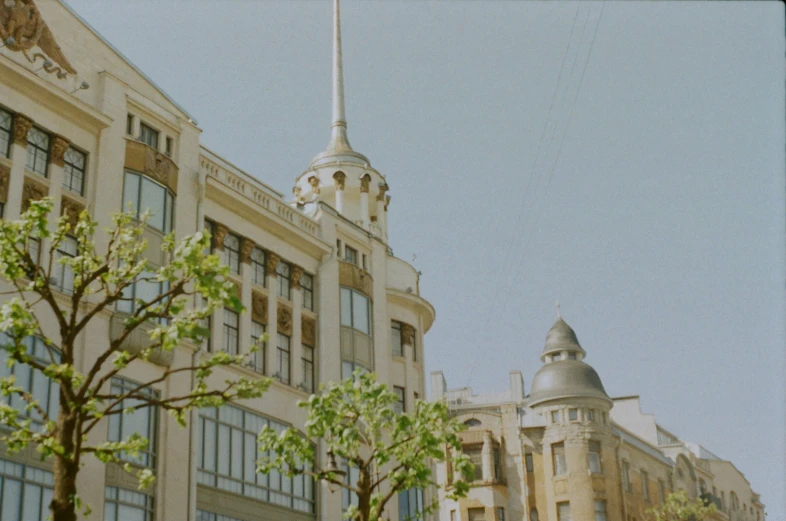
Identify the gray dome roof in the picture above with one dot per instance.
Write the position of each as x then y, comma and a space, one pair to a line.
566, 379
561, 337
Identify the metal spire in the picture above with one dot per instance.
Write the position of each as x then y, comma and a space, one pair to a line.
338, 131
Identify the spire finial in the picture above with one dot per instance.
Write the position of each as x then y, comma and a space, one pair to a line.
338, 131
559, 314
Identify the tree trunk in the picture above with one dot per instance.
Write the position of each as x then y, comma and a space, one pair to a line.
65, 470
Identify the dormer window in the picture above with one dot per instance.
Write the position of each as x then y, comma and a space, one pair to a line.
148, 136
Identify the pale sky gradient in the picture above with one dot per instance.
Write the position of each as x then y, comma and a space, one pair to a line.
660, 228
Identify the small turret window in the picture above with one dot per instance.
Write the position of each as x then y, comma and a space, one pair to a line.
556, 416
573, 415
594, 458
591, 415
571, 356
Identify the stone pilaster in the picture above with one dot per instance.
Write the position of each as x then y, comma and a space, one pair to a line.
16, 179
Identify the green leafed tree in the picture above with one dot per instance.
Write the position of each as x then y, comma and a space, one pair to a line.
678, 507
54, 297
381, 453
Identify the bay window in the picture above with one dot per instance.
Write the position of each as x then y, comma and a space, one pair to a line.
356, 350
355, 310
141, 194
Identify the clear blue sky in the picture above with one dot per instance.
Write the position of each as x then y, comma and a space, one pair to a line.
658, 224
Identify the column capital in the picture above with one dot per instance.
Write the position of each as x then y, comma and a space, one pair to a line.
22, 125
219, 232
272, 261
59, 147
246, 247
297, 273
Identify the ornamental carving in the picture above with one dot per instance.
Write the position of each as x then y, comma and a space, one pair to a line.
383, 188
387, 202
271, 263
152, 163
339, 177
5, 176
71, 209
219, 233
407, 335
284, 321
246, 247
365, 181
59, 147
314, 182
297, 273
259, 307
308, 331
22, 125
32, 191
22, 28
352, 276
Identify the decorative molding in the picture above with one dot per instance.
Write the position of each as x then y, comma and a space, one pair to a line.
71, 209
22, 125
143, 158
246, 247
271, 263
308, 331
32, 191
297, 273
407, 335
284, 320
352, 276
365, 181
219, 233
339, 178
22, 24
383, 188
59, 147
259, 307
5, 177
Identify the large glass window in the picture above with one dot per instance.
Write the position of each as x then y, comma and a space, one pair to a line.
37, 151
258, 270
400, 393
284, 273
64, 274
74, 170
148, 136
227, 457
307, 289
232, 252
126, 505
25, 492
600, 510
410, 504
141, 193
558, 456
43, 389
231, 332
395, 339
257, 330
594, 457
355, 310
204, 515
6, 120
283, 364
142, 421
308, 368
348, 369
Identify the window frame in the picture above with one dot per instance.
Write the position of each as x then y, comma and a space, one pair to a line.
37, 151
169, 201
601, 510
645, 485
400, 406
396, 348
6, 134
626, 481
369, 312
69, 167
148, 457
284, 290
152, 132
231, 252
307, 291
566, 505
558, 459
258, 266
307, 366
284, 358
230, 331
350, 255
64, 272
259, 360
26, 477
595, 464
529, 462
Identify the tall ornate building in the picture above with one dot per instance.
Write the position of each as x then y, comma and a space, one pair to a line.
80, 123
569, 452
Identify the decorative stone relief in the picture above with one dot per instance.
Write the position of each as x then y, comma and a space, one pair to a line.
354, 277
259, 307
407, 335
271, 263
383, 188
339, 178
284, 320
71, 209
152, 163
365, 181
5, 176
314, 182
22, 126
32, 191
297, 273
21, 22
219, 233
308, 331
59, 147
246, 247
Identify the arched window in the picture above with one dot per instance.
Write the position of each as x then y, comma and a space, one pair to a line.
472, 422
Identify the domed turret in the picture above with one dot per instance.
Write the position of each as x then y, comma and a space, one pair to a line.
565, 375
